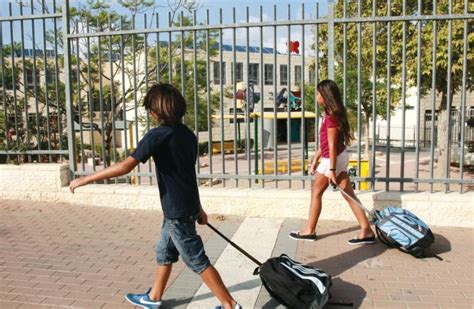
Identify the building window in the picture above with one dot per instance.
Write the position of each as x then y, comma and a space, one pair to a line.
239, 72
217, 76
429, 115
283, 75
253, 73
297, 74
50, 76
268, 74
31, 78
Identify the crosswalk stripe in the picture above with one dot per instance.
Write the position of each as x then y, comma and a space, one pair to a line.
255, 235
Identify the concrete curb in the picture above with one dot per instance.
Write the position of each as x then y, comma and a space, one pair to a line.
47, 183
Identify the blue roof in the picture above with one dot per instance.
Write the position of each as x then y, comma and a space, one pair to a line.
243, 49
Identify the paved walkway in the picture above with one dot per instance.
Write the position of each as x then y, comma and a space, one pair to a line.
55, 255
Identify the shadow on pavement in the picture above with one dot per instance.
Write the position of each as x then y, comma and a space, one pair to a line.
338, 232
343, 295
173, 302
338, 264
441, 245
345, 292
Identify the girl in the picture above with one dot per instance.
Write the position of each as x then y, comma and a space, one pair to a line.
334, 136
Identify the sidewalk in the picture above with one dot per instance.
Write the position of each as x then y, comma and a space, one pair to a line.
55, 255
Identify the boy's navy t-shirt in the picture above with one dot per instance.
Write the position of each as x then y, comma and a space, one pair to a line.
174, 150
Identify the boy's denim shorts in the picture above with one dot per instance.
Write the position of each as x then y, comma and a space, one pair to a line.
179, 237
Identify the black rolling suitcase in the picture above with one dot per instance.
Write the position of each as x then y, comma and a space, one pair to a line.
291, 283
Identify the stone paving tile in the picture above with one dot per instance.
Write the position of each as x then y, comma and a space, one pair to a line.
54, 255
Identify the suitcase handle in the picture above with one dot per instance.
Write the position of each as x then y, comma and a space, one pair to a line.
358, 203
235, 245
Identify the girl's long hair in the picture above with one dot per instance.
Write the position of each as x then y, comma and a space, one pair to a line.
334, 107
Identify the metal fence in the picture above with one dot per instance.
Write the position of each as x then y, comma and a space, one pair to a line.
251, 99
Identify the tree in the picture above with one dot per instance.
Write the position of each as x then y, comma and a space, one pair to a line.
134, 57
41, 131
350, 63
396, 64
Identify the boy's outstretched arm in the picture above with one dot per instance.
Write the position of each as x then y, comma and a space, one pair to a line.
115, 170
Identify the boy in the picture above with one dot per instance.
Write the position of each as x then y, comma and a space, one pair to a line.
174, 150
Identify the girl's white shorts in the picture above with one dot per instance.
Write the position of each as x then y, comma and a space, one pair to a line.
342, 161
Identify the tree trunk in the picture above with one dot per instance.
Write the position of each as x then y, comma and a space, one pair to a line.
108, 143
442, 139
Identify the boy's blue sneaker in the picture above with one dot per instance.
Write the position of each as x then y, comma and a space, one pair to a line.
143, 300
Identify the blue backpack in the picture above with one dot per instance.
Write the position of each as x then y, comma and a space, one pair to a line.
400, 228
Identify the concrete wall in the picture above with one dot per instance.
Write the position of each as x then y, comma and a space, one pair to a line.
48, 183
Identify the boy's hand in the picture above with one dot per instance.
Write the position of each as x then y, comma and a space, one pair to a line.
79, 182
202, 219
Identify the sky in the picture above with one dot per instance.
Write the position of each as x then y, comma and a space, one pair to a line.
213, 6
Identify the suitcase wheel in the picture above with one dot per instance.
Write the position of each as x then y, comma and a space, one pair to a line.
417, 252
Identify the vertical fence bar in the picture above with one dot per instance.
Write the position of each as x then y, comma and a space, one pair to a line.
25, 80
145, 49
196, 105
344, 55
15, 108
101, 97
418, 96
275, 120
389, 96
123, 101
182, 47
158, 67
359, 92
288, 105
208, 100
35, 81
404, 90
69, 105
135, 99
221, 104
4, 93
182, 67
331, 39
91, 98
463, 99
433, 103
303, 101
234, 99
79, 99
316, 82
374, 93
112, 93
449, 98
56, 75
262, 97
247, 106
170, 62
46, 70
